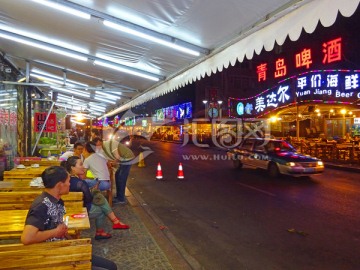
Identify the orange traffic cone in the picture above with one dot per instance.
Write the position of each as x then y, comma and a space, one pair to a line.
159, 172
180, 172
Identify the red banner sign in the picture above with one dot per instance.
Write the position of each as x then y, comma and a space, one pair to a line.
39, 121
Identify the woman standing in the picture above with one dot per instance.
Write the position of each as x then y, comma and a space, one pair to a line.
97, 206
97, 165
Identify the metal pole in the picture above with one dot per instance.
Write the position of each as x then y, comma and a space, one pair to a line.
46, 119
297, 123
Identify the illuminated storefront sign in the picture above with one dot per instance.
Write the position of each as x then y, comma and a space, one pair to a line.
175, 112
116, 121
105, 122
39, 122
331, 51
327, 86
130, 121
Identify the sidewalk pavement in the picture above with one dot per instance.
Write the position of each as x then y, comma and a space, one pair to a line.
148, 244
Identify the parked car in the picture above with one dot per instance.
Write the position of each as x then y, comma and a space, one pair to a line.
275, 156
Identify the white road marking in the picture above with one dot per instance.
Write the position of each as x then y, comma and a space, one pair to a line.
257, 189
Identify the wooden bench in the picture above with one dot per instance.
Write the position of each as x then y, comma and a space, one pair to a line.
68, 254
12, 223
22, 200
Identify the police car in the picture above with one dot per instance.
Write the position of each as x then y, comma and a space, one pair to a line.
275, 156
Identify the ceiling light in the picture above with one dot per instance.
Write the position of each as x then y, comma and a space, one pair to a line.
104, 100
107, 95
72, 102
6, 104
6, 94
77, 122
115, 93
8, 91
7, 99
64, 9
67, 106
97, 106
36, 37
51, 80
29, 42
79, 116
97, 109
76, 108
149, 37
71, 91
137, 65
125, 70
66, 96
39, 72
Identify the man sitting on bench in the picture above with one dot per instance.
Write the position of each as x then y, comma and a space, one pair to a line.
44, 221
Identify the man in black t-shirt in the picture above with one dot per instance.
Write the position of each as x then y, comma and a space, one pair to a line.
44, 221
46, 213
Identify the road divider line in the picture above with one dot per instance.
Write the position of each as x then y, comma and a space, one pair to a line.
257, 189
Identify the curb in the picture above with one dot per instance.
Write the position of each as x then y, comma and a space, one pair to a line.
342, 167
189, 260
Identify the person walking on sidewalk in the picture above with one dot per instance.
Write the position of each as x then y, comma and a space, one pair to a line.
122, 157
96, 204
44, 221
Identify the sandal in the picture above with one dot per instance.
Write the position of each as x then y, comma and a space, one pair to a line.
117, 225
100, 234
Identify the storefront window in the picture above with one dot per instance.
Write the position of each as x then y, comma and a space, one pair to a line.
8, 127
335, 127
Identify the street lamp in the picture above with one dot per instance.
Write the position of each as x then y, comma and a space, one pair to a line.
205, 102
220, 110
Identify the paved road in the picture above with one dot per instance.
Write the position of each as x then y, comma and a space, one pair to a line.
241, 219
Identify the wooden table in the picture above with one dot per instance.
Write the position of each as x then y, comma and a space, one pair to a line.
15, 184
27, 173
43, 162
12, 223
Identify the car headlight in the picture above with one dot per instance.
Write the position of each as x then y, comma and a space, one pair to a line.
291, 164
320, 163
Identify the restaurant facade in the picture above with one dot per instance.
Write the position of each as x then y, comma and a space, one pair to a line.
307, 88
